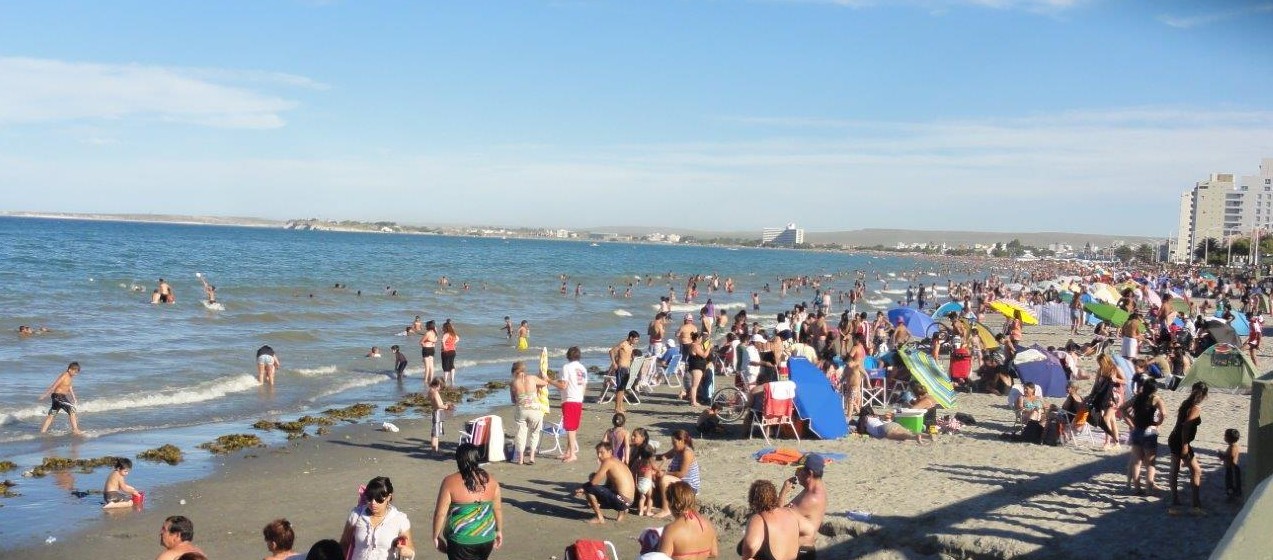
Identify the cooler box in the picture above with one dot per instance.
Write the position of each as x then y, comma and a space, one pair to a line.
913, 421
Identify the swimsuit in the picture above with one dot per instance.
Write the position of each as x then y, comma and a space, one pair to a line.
61, 402
471, 523
763, 553
606, 497
691, 476
695, 517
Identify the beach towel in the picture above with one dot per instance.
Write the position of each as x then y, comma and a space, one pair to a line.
782, 457
828, 456
778, 398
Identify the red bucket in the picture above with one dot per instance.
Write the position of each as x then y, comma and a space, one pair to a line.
139, 499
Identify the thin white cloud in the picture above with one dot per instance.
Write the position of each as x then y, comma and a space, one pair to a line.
942, 6
44, 90
1198, 20
1118, 171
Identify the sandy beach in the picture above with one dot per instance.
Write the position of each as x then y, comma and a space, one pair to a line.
969, 495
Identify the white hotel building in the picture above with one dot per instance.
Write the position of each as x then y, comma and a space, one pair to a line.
1224, 205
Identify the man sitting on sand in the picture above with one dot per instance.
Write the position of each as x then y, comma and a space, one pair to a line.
810, 503
175, 537
611, 486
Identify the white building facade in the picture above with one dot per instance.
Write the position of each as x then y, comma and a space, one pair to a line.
1224, 206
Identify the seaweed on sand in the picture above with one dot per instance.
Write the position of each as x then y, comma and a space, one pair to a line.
166, 453
231, 443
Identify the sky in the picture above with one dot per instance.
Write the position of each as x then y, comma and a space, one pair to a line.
723, 115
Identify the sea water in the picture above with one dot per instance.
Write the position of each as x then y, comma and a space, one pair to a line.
184, 374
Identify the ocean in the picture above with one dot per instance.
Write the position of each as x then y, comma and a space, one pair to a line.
184, 374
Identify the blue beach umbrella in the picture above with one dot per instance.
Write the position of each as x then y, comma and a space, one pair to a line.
947, 308
919, 324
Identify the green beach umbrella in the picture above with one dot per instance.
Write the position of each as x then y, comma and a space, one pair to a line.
1178, 304
1107, 312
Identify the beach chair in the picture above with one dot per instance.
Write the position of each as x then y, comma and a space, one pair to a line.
610, 388
487, 433
780, 397
1079, 432
670, 373
874, 384
556, 431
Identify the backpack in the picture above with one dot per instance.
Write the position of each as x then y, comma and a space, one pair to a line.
587, 550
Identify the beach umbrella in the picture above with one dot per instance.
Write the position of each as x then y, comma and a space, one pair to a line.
1220, 331
1037, 365
947, 308
924, 369
1009, 308
1102, 292
919, 324
983, 334
1178, 304
1153, 298
543, 363
1107, 312
1208, 276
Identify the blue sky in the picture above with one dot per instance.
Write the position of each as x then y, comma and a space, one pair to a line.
1026, 115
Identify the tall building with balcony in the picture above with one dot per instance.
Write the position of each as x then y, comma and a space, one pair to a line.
789, 236
1224, 206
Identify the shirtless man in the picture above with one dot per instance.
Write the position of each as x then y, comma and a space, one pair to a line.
810, 503
611, 486
656, 332
175, 537
684, 335
621, 364
165, 292
63, 397
209, 291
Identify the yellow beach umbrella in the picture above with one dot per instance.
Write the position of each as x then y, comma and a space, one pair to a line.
1010, 308
543, 362
983, 334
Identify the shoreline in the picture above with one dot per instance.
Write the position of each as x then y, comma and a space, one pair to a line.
967, 495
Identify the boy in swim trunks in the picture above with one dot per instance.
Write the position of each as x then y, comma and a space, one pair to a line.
399, 361
116, 490
63, 398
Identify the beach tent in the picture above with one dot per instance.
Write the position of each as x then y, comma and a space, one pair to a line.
920, 325
1037, 365
817, 400
947, 307
930, 374
1241, 326
1052, 313
1221, 331
1223, 366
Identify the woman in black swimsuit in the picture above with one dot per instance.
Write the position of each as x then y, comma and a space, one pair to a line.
697, 366
1181, 444
773, 532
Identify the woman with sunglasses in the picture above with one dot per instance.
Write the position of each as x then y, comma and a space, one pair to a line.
467, 521
375, 528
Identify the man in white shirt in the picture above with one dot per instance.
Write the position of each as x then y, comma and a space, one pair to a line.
574, 378
753, 360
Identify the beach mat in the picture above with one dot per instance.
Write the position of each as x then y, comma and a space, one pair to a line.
830, 456
817, 400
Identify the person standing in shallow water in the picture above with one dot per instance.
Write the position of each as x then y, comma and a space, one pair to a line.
267, 364
428, 347
63, 398
449, 341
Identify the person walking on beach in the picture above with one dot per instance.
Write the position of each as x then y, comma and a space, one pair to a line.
574, 381
440, 409
620, 366
449, 340
468, 522
810, 503
375, 528
656, 331
63, 397
175, 537
428, 347
267, 364
1180, 442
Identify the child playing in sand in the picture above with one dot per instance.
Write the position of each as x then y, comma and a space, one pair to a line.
709, 421
118, 493
1232, 472
439, 408
399, 361
645, 487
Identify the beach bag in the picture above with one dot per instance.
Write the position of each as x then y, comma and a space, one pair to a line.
587, 550
1052, 434
1032, 433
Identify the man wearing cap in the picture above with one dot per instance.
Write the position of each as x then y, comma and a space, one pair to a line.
810, 503
684, 335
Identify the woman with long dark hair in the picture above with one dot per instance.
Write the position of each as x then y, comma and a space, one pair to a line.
467, 521
449, 341
375, 527
1146, 411
1181, 444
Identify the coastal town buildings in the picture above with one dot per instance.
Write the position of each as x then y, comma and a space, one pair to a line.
789, 236
1223, 206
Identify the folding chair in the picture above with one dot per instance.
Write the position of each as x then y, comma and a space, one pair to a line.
780, 399
609, 388
874, 395
555, 430
1079, 432
671, 373
487, 433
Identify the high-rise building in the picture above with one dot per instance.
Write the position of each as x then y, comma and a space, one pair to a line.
1221, 207
789, 236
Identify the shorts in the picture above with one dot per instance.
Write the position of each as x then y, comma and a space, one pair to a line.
438, 429
1131, 347
1177, 448
807, 553
117, 496
644, 485
265, 360
621, 376
400, 367
469, 551
571, 414
60, 402
755, 307
607, 498
427, 351
1148, 442
685, 351
448, 360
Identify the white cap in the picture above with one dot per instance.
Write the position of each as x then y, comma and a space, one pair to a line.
757, 338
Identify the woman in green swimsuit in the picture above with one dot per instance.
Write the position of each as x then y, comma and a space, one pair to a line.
467, 521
